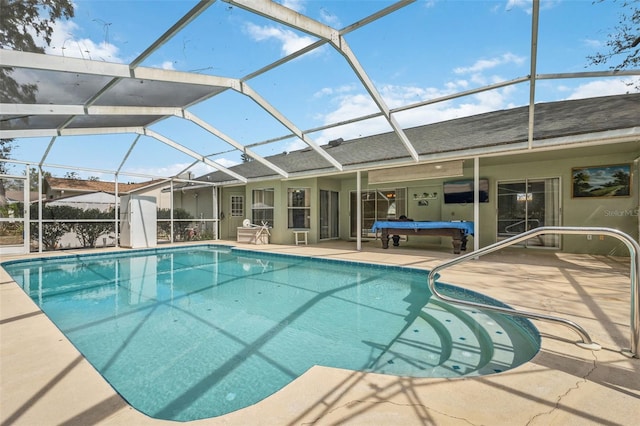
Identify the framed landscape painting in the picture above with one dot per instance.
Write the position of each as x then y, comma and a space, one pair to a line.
601, 181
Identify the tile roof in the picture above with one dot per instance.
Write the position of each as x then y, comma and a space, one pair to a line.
80, 185
13, 195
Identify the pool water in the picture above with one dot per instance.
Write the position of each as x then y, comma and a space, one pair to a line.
198, 332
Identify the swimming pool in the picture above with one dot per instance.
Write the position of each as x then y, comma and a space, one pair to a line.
198, 332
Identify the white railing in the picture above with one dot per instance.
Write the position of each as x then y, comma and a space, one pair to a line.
586, 342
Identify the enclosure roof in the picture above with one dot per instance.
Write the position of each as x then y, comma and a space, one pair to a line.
81, 97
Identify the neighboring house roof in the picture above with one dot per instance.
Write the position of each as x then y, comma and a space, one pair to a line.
18, 196
557, 124
95, 200
80, 185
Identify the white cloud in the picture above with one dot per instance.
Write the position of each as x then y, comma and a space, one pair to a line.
224, 162
611, 86
593, 44
525, 5
485, 64
325, 91
297, 5
429, 4
64, 42
326, 17
475, 104
173, 169
295, 145
518, 3
328, 91
453, 86
290, 41
353, 103
329, 18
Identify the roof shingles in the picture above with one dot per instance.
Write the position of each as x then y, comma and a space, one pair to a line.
486, 131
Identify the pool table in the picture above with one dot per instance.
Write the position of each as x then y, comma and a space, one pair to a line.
458, 231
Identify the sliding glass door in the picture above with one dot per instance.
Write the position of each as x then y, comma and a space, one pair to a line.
329, 215
529, 204
377, 204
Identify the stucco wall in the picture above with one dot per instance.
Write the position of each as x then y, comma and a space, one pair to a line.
615, 212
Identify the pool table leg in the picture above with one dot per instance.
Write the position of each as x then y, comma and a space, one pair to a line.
385, 239
459, 243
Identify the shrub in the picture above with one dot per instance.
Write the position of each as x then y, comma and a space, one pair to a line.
179, 228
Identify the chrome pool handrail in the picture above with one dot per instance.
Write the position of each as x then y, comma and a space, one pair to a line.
634, 250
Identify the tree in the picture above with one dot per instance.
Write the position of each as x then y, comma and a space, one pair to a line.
624, 40
33, 178
179, 226
5, 153
20, 20
88, 232
52, 231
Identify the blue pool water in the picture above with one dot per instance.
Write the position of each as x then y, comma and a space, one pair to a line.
199, 332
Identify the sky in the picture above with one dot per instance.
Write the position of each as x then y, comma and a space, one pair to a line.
423, 51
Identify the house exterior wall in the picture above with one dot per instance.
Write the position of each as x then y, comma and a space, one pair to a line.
199, 202
163, 199
228, 223
619, 212
280, 233
613, 212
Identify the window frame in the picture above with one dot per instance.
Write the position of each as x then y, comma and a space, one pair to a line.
266, 210
233, 203
295, 212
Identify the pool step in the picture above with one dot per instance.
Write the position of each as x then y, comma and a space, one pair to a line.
446, 341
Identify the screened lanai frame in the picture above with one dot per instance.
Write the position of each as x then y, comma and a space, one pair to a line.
103, 110
175, 229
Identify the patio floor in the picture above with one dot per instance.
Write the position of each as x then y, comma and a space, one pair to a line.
45, 381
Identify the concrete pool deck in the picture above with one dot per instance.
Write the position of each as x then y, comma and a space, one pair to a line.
45, 381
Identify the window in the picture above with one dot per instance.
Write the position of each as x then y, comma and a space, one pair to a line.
299, 205
237, 206
262, 206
